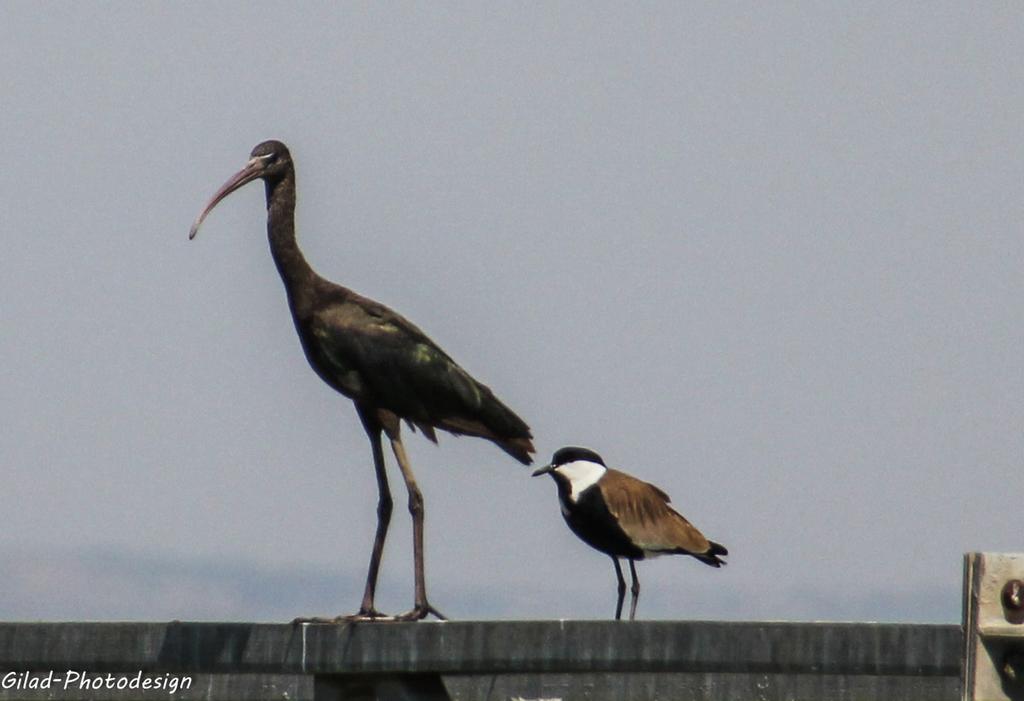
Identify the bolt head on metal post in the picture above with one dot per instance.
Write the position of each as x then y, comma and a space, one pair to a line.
1012, 670
1013, 601
1013, 594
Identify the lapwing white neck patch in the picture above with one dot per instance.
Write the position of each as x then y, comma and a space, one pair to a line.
581, 474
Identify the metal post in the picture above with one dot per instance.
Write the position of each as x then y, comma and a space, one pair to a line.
993, 615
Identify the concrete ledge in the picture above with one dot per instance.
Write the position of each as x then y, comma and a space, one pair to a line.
487, 647
671, 659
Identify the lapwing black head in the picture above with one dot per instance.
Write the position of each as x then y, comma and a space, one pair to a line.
622, 516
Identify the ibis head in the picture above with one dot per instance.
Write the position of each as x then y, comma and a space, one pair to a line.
269, 161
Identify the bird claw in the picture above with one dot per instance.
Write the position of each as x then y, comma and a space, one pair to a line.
300, 620
365, 614
370, 614
419, 612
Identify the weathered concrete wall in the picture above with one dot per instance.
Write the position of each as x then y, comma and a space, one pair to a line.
496, 660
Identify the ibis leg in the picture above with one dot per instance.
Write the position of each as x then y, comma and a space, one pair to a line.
384, 505
421, 607
635, 590
622, 589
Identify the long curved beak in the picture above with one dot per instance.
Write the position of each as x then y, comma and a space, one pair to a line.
253, 169
543, 470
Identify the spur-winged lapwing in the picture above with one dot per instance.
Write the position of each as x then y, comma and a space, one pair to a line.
622, 516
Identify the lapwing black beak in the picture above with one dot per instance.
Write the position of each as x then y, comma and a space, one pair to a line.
543, 470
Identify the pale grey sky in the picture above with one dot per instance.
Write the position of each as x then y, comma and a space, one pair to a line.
766, 256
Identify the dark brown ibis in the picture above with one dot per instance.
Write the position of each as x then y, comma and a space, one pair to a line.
378, 359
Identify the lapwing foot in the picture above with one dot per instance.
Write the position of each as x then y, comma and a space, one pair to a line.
419, 612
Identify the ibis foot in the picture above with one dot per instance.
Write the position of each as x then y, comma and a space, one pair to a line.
419, 612
365, 614
317, 620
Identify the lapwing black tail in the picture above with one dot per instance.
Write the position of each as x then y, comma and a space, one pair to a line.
710, 557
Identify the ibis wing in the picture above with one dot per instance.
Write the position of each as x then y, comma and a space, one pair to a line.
380, 357
643, 512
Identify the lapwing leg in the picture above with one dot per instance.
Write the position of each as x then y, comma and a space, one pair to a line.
635, 590
421, 607
384, 505
622, 589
